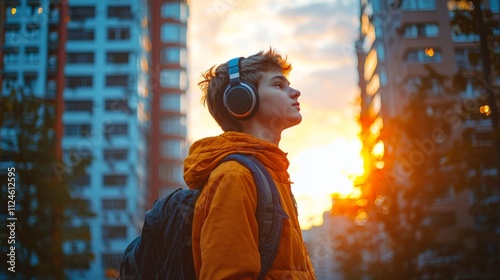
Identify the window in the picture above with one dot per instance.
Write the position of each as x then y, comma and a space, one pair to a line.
471, 89
81, 12
114, 232
80, 58
468, 59
175, 10
423, 55
173, 102
9, 80
495, 6
116, 105
419, 5
80, 130
12, 32
116, 34
421, 30
459, 36
79, 81
481, 138
173, 125
78, 106
173, 79
32, 55
173, 33
33, 31
174, 55
171, 173
413, 84
120, 12
459, 5
119, 180
117, 80
30, 80
80, 181
115, 129
80, 34
115, 154
74, 155
172, 148
117, 57
114, 204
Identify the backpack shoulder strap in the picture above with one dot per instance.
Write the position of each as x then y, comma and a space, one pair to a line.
269, 213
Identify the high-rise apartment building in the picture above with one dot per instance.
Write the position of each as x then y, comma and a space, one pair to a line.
107, 99
405, 48
169, 83
116, 72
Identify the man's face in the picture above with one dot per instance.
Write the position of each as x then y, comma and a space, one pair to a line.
279, 108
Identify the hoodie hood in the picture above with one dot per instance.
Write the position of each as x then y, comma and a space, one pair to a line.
205, 155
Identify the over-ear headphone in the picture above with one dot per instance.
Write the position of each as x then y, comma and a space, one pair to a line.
240, 98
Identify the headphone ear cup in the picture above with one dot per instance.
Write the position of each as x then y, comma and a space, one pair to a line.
241, 101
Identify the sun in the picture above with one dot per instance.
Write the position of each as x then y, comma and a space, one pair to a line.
321, 171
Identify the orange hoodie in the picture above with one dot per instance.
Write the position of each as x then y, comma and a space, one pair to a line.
225, 232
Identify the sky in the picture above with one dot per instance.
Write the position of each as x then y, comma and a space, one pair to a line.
318, 39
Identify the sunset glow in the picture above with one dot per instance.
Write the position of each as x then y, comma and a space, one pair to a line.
322, 171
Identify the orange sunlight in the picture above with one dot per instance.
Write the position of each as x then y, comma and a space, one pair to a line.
322, 171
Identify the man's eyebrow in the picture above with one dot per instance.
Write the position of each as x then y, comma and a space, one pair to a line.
281, 78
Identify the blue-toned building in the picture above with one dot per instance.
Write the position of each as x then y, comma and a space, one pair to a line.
107, 100
117, 73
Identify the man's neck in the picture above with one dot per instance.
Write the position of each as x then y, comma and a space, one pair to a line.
263, 133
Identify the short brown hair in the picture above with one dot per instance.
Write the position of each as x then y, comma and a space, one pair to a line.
216, 79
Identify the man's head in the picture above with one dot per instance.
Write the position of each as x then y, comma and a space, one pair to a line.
251, 70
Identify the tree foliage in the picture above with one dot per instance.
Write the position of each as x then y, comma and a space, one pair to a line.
42, 198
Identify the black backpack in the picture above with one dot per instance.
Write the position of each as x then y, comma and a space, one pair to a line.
163, 250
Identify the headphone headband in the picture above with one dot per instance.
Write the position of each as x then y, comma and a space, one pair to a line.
234, 71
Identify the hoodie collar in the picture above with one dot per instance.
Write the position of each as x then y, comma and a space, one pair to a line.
205, 155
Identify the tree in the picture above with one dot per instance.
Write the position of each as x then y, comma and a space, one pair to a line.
400, 233
42, 198
477, 145
474, 20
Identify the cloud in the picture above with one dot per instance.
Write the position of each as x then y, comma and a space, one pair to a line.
330, 89
317, 36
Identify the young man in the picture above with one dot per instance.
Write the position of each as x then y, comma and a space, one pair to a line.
251, 99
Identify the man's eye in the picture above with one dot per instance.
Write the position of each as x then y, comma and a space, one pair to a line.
277, 84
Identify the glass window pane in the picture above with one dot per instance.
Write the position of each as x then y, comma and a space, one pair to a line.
173, 79
175, 10
431, 30
173, 33
170, 102
174, 55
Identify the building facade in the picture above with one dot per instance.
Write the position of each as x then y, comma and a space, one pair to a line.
169, 83
116, 72
408, 49
107, 116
